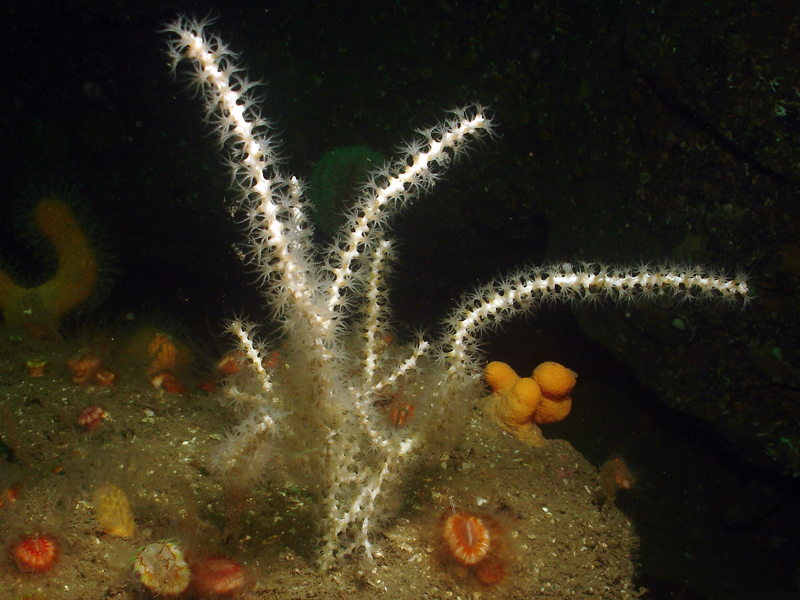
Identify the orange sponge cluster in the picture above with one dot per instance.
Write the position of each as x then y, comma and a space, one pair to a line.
520, 404
39, 308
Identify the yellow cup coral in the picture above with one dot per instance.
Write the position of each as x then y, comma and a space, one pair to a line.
39, 308
520, 404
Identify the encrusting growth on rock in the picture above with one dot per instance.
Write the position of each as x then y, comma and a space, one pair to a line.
520, 404
614, 476
114, 515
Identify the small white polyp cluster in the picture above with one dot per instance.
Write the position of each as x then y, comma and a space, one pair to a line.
341, 406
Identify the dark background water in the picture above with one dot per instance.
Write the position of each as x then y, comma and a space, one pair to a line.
605, 118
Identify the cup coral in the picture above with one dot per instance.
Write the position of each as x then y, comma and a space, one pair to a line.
40, 308
476, 542
84, 367
162, 568
36, 553
36, 367
218, 576
92, 417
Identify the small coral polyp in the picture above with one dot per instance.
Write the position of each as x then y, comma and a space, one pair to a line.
92, 416
162, 568
218, 575
87, 367
467, 537
167, 382
36, 553
476, 541
36, 367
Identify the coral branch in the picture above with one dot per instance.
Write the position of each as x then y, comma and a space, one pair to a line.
523, 291
344, 409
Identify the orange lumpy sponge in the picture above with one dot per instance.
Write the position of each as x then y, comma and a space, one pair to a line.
556, 382
520, 404
514, 402
500, 377
39, 308
522, 401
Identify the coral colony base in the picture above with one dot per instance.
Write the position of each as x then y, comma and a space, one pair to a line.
343, 408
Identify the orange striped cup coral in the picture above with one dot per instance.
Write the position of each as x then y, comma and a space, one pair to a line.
477, 543
92, 416
218, 576
36, 553
84, 367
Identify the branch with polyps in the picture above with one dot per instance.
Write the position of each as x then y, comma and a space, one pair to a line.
344, 403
